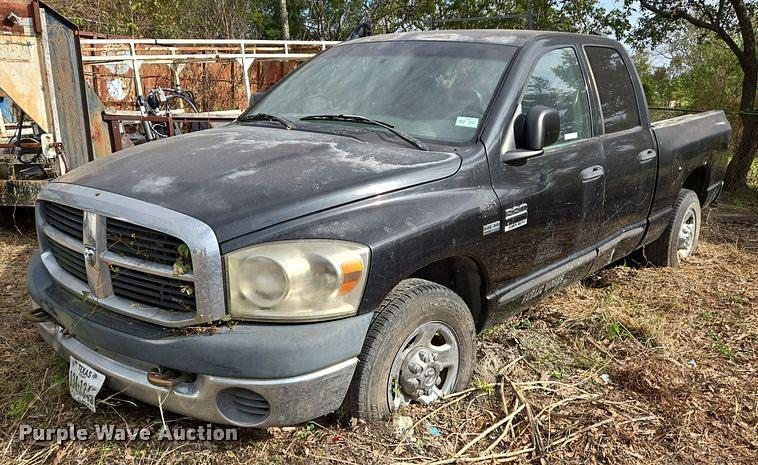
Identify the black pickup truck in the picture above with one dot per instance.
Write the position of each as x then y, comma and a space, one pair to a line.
343, 241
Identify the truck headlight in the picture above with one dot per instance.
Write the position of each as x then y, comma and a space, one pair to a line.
305, 280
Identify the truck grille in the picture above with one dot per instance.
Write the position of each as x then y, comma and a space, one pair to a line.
138, 283
72, 262
143, 243
156, 291
66, 219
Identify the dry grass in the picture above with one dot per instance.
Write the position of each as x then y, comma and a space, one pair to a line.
635, 365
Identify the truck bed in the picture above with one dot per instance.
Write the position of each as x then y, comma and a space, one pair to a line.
690, 146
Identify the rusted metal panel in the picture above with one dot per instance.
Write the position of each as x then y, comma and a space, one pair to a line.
20, 76
9, 12
100, 136
70, 97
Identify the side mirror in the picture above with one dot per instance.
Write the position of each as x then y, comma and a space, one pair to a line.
538, 129
256, 97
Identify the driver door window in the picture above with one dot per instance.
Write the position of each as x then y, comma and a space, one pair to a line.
557, 82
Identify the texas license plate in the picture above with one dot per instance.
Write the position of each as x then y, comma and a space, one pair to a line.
84, 382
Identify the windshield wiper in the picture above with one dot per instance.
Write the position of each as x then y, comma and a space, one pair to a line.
267, 117
362, 119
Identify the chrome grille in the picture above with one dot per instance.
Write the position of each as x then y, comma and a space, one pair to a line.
69, 260
141, 271
156, 291
66, 219
136, 241
204, 277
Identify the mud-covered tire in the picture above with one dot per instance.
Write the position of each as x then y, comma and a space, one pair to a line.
669, 249
411, 305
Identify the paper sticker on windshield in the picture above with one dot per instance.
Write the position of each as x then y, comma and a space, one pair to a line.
571, 136
467, 122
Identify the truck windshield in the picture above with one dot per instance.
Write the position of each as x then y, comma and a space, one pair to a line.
437, 91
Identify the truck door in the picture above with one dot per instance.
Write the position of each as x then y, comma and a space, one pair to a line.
549, 200
630, 156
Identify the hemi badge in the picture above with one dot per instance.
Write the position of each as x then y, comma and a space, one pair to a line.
515, 217
490, 228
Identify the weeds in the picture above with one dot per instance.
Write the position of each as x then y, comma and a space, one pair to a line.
18, 409
723, 350
483, 386
636, 366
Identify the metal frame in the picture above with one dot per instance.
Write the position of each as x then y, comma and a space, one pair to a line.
115, 120
98, 205
164, 51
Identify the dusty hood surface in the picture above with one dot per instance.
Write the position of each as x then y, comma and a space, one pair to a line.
240, 179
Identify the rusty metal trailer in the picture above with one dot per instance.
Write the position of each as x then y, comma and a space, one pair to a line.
121, 62
130, 55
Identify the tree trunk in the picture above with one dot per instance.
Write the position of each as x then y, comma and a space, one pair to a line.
285, 19
738, 169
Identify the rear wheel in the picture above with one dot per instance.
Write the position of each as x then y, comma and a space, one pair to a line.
680, 238
419, 348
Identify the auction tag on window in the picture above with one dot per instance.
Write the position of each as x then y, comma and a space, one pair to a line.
467, 122
84, 382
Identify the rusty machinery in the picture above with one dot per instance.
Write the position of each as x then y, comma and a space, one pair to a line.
45, 129
57, 122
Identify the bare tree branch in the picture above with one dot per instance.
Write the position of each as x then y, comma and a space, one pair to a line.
680, 13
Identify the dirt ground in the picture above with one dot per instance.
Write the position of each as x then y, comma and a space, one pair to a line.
634, 365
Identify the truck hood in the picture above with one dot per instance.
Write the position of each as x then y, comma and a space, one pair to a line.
240, 179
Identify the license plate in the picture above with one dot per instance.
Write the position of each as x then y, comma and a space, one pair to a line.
84, 382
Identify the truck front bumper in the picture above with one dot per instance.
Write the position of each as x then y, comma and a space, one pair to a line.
235, 401
251, 375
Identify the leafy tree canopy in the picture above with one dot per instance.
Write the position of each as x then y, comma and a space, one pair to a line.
329, 19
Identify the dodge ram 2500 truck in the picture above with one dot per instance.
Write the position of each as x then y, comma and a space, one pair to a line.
342, 242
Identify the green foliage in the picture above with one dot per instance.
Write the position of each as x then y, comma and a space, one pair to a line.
615, 330
172, 18
305, 431
707, 25
329, 19
699, 72
18, 408
484, 386
722, 349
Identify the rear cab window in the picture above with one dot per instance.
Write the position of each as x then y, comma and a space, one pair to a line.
618, 100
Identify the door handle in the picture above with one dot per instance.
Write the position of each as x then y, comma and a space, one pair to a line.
592, 173
647, 155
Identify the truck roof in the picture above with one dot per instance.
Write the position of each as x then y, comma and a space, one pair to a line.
515, 37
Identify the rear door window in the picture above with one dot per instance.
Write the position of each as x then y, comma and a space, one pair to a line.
614, 85
557, 82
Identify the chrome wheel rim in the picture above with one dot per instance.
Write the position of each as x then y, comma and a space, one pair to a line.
686, 239
425, 368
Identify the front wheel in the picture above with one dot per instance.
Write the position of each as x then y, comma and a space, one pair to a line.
419, 348
680, 238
